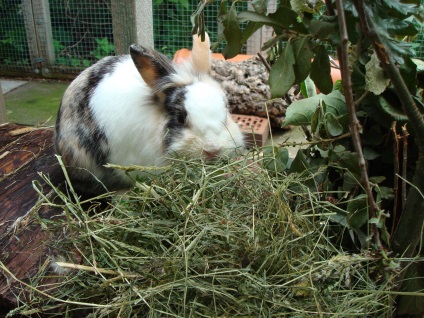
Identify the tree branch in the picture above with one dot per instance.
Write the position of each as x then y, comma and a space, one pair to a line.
354, 123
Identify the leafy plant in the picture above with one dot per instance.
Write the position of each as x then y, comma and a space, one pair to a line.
104, 48
356, 126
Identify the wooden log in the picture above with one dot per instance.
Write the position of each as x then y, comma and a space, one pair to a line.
23, 243
246, 86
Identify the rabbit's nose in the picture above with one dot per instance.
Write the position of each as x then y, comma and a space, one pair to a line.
211, 154
211, 150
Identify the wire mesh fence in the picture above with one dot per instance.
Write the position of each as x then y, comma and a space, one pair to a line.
14, 51
82, 32
66, 36
172, 23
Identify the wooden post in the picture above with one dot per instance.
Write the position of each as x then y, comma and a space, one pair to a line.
132, 23
3, 117
31, 34
44, 28
123, 25
39, 34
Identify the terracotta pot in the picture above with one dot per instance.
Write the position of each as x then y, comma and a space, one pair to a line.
335, 72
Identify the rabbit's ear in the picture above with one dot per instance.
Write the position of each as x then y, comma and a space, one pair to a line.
152, 65
201, 58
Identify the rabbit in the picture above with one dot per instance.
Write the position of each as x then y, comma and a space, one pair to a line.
140, 109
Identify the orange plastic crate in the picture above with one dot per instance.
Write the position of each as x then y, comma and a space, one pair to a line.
255, 129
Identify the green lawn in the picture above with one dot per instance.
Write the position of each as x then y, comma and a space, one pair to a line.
35, 103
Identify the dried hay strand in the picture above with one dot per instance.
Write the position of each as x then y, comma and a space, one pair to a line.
231, 239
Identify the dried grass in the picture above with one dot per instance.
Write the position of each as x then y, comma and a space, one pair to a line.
230, 239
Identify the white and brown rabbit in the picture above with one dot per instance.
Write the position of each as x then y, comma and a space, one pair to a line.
138, 109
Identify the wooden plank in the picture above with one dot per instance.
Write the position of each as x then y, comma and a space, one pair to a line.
23, 245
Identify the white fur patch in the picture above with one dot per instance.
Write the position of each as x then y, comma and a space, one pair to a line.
134, 125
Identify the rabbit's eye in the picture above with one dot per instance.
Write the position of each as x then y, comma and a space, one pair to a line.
181, 118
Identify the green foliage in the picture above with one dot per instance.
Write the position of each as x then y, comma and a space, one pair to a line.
299, 54
104, 48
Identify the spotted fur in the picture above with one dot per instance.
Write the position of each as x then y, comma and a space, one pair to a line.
139, 109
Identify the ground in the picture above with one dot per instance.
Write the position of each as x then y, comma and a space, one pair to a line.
33, 103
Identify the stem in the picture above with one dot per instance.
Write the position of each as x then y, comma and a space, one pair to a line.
329, 7
264, 62
268, 68
405, 135
396, 178
354, 123
312, 142
361, 99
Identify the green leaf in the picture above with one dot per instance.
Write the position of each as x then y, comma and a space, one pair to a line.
300, 163
376, 80
307, 88
275, 159
414, 282
335, 103
333, 126
185, 4
282, 76
303, 56
270, 43
370, 154
195, 17
385, 192
251, 16
321, 71
358, 211
248, 31
377, 179
408, 70
260, 6
393, 111
419, 64
301, 111
407, 27
315, 120
347, 160
285, 16
322, 29
350, 181
301, 6
397, 8
232, 33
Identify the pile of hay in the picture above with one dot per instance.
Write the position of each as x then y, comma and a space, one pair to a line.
232, 239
